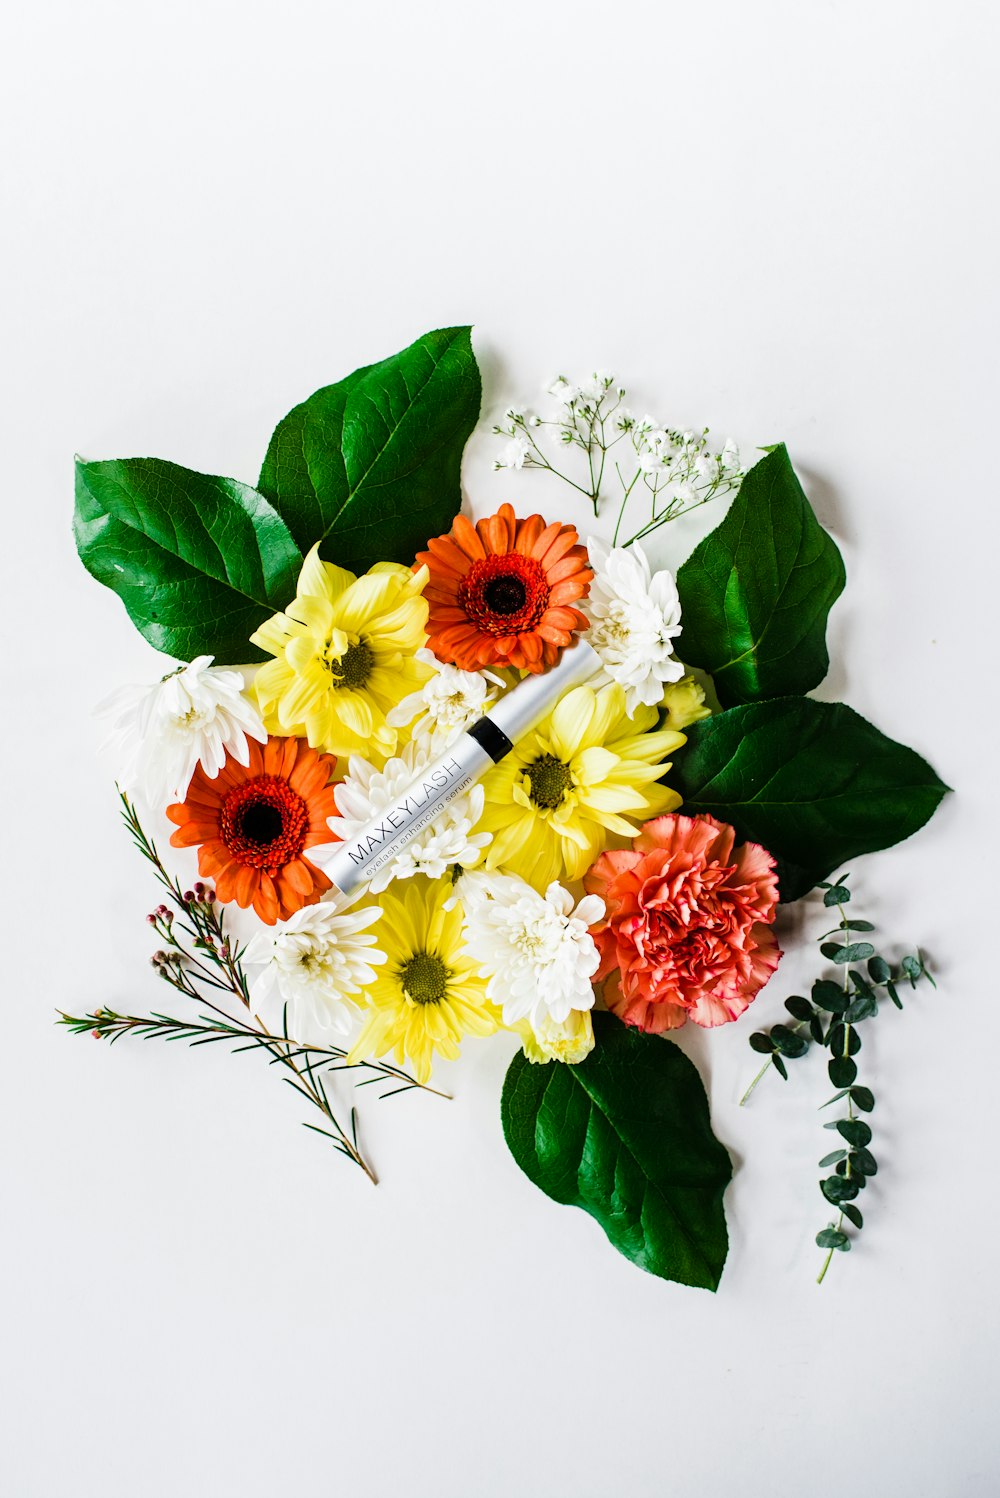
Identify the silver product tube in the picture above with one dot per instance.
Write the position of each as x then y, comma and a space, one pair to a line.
354, 863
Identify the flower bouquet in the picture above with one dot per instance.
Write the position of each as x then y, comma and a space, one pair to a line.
441, 780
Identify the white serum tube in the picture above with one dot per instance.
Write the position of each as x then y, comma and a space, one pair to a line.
354, 863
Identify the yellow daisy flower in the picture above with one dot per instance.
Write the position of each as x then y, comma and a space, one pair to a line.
586, 771
430, 992
343, 656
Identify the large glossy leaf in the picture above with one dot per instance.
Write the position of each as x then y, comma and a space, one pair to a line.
814, 782
371, 466
626, 1135
755, 594
199, 562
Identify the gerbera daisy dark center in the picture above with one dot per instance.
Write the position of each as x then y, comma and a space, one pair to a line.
425, 978
505, 595
549, 779
260, 823
264, 823
353, 668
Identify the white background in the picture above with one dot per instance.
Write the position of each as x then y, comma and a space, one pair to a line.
773, 218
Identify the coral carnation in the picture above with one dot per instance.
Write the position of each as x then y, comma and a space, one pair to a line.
253, 823
502, 592
688, 923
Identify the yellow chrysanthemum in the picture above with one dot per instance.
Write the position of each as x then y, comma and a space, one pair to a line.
343, 656
569, 1042
683, 703
588, 770
430, 992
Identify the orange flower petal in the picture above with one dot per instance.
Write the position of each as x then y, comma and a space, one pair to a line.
467, 538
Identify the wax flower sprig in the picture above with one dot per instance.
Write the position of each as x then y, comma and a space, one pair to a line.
199, 957
832, 1019
678, 469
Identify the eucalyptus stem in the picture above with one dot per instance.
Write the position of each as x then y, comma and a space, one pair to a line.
830, 1019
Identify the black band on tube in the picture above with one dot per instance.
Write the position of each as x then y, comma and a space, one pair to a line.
491, 738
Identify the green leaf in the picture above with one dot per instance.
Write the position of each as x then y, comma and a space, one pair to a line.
788, 1043
856, 951
832, 1238
829, 996
755, 594
812, 782
370, 467
199, 562
836, 895
779, 1065
840, 1036
839, 1189
862, 1008
855, 1131
761, 1042
865, 1162
799, 1008
626, 1136
842, 1071
853, 1214
863, 1098
879, 970
832, 1159
912, 967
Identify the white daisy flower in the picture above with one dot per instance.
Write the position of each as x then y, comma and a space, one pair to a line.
536, 949
450, 839
194, 715
635, 615
314, 963
448, 703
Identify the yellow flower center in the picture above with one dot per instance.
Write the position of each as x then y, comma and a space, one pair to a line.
353, 668
549, 780
424, 978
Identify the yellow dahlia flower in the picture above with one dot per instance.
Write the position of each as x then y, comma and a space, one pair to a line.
587, 770
344, 656
430, 992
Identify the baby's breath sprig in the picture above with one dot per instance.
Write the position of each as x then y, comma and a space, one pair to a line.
199, 957
831, 1018
676, 469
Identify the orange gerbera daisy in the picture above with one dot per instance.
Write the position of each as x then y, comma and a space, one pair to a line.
501, 592
252, 824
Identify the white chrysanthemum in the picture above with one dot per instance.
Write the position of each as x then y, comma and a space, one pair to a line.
450, 839
196, 714
635, 615
537, 949
316, 961
448, 703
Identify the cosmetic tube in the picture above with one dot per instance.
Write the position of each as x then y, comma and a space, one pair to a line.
352, 864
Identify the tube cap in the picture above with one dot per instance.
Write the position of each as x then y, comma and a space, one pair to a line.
525, 705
